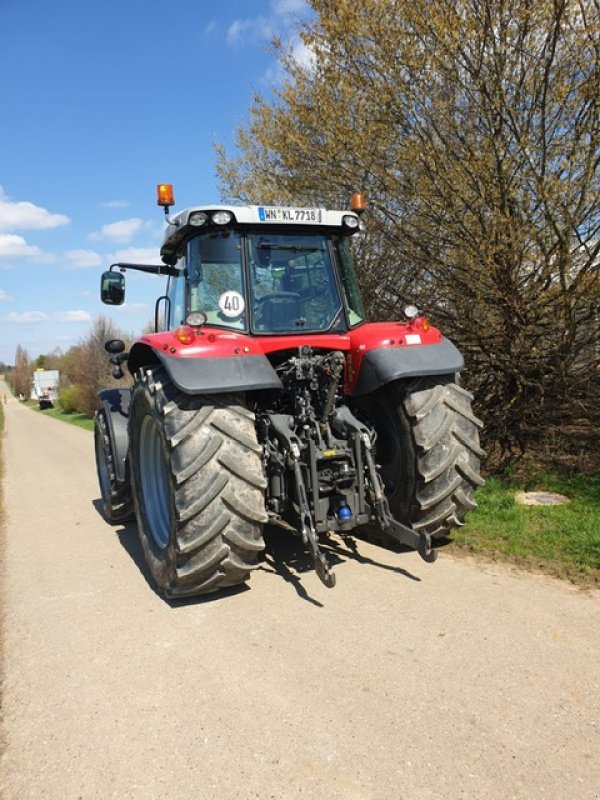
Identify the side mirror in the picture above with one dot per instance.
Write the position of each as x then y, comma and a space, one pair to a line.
114, 346
112, 288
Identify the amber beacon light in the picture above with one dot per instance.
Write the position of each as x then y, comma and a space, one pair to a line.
358, 203
164, 195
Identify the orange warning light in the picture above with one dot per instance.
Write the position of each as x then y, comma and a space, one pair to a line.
358, 203
164, 194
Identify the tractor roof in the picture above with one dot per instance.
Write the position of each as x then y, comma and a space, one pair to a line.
193, 220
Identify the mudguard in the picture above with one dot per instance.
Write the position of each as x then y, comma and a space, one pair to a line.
217, 375
386, 364
115, 403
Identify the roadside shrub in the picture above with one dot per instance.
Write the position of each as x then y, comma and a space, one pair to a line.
69, 398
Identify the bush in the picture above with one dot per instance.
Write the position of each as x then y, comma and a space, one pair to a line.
69, 398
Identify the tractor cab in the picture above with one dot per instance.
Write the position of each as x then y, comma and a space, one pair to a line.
255, 269
263, 270
266, 281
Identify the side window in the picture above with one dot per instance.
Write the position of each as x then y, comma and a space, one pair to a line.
216, 279
356, 312
176, 294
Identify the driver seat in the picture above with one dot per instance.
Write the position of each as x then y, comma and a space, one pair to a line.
279, 310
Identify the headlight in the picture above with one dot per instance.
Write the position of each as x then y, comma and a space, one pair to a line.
197, 219
350, 221
196, 319
222, 217
410, 312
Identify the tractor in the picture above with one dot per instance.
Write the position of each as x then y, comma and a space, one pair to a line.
265, 397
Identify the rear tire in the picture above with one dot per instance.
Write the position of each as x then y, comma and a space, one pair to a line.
117, 501
198, 486
428, 449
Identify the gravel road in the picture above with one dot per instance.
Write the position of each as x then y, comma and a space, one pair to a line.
407, 681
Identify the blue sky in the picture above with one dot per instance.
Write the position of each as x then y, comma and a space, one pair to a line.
99, 102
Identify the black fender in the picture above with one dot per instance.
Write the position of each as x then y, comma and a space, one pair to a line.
115, 403
216, 375
386, 364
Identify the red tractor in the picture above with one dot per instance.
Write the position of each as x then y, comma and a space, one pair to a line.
265, 397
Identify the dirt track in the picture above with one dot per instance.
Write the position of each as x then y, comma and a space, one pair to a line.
407, 680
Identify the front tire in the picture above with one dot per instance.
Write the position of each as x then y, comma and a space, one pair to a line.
198, 486
117, 501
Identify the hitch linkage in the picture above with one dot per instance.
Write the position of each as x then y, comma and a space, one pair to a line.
281, 427
309, 534
418, 540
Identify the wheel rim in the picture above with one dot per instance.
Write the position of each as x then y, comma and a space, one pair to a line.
154, 482
102, 464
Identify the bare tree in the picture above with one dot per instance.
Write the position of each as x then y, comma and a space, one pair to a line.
21, 376
473, 127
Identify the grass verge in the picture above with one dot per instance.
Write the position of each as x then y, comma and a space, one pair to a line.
563, 541
72, 418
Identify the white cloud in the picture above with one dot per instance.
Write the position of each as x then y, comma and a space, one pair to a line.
283, 22
132, 309
115, 204
14, 246
28, 317
26, 215
121, 232
303, 55
137, 255
71, 316
209, 28
4, 297
261, 28
81, 259
287, 7
242, 31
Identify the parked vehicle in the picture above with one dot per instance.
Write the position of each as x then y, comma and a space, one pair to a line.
266, 397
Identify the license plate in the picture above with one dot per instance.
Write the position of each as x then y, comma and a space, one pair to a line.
301, 215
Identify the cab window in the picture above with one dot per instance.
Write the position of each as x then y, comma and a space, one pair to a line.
292, 283
176, 295
354, 305
216, 280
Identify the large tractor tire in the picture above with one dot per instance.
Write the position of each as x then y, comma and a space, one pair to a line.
117, 501
198, 486
428, 450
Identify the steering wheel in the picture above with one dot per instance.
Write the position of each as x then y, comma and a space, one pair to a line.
277, 295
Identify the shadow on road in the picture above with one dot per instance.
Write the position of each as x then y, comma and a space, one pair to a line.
284, 555
129, 539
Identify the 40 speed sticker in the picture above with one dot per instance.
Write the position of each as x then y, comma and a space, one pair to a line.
231, 304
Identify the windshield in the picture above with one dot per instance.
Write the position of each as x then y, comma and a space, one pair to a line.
292, 282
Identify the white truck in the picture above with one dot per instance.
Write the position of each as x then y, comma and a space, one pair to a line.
45, 387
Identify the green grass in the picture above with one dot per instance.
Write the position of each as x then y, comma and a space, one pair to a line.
74, 419
562, 540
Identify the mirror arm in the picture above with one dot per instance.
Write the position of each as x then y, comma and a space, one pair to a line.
154, 269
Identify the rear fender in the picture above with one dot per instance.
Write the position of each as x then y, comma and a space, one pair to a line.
215, 375
383, 365
115, 403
